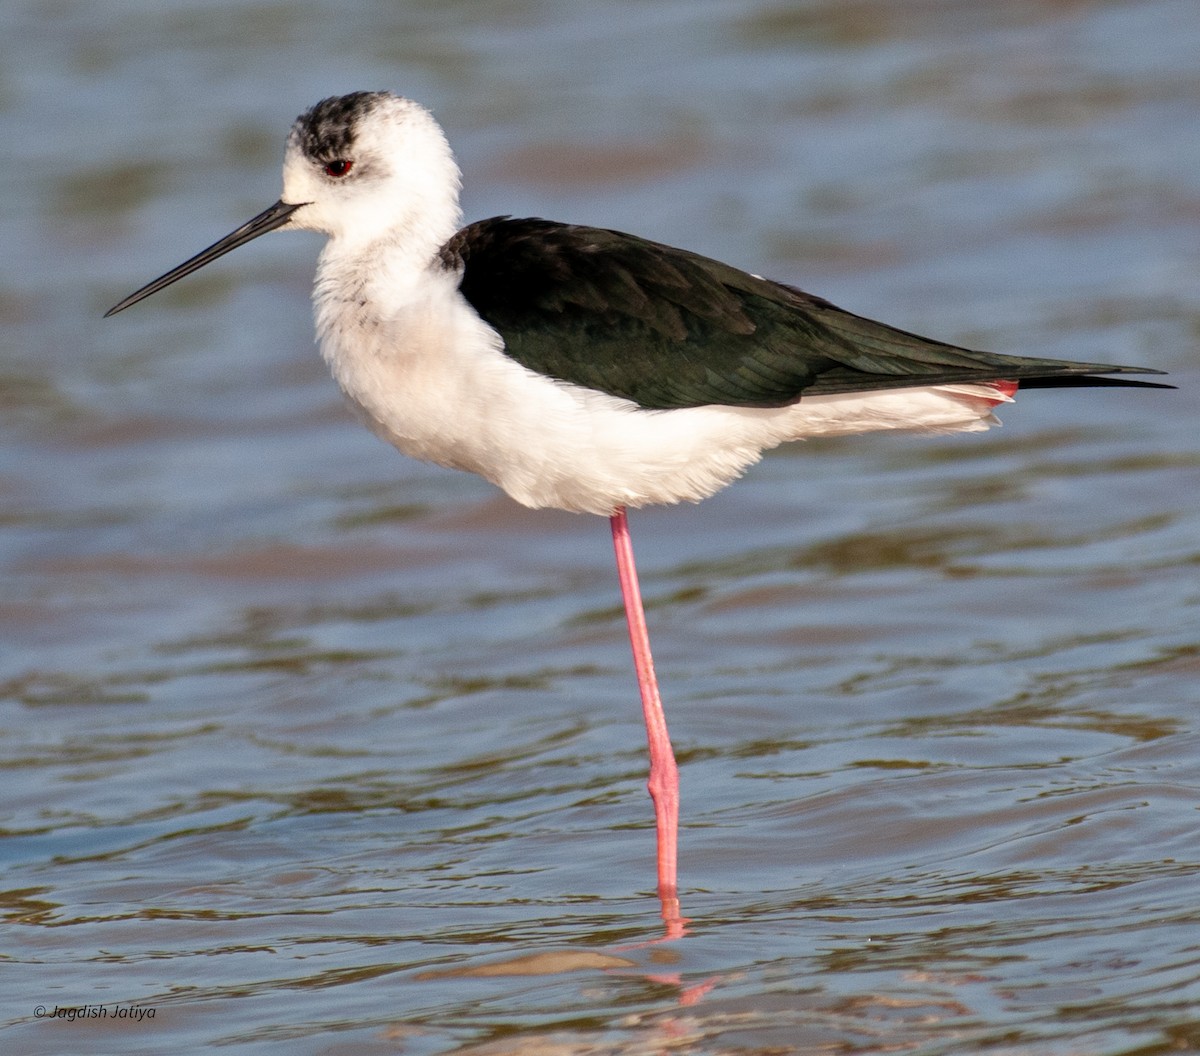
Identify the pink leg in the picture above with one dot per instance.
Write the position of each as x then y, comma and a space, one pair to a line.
664, 774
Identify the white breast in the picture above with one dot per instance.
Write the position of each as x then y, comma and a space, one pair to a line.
430, 378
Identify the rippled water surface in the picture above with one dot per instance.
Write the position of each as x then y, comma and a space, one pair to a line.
308, 748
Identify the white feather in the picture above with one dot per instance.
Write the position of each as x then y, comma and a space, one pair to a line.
431, 379
429, 376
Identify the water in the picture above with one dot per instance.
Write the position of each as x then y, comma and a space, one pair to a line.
309, 748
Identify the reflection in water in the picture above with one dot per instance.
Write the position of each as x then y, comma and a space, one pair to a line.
290, 725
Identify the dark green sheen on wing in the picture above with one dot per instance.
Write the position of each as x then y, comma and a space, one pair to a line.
666, 328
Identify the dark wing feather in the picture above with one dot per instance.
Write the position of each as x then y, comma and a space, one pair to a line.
666, 328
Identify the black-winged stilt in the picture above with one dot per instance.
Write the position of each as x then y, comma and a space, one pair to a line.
581, 368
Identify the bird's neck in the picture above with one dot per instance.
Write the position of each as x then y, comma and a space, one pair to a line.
415, 234
388, 262
362, 286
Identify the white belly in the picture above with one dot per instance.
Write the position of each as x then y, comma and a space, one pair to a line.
433, 382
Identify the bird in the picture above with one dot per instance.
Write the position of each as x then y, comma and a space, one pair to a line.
582, 368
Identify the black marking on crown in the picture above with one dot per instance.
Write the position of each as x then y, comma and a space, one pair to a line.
327, 131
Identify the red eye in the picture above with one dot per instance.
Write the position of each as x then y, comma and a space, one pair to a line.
338, 167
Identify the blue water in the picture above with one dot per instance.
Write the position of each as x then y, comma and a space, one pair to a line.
305, 747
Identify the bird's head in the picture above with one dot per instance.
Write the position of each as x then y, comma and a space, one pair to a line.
370, 165
363, 168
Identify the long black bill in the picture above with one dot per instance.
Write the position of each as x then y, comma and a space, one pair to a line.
269, 219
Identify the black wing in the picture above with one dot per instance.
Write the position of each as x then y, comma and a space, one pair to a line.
667, 328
